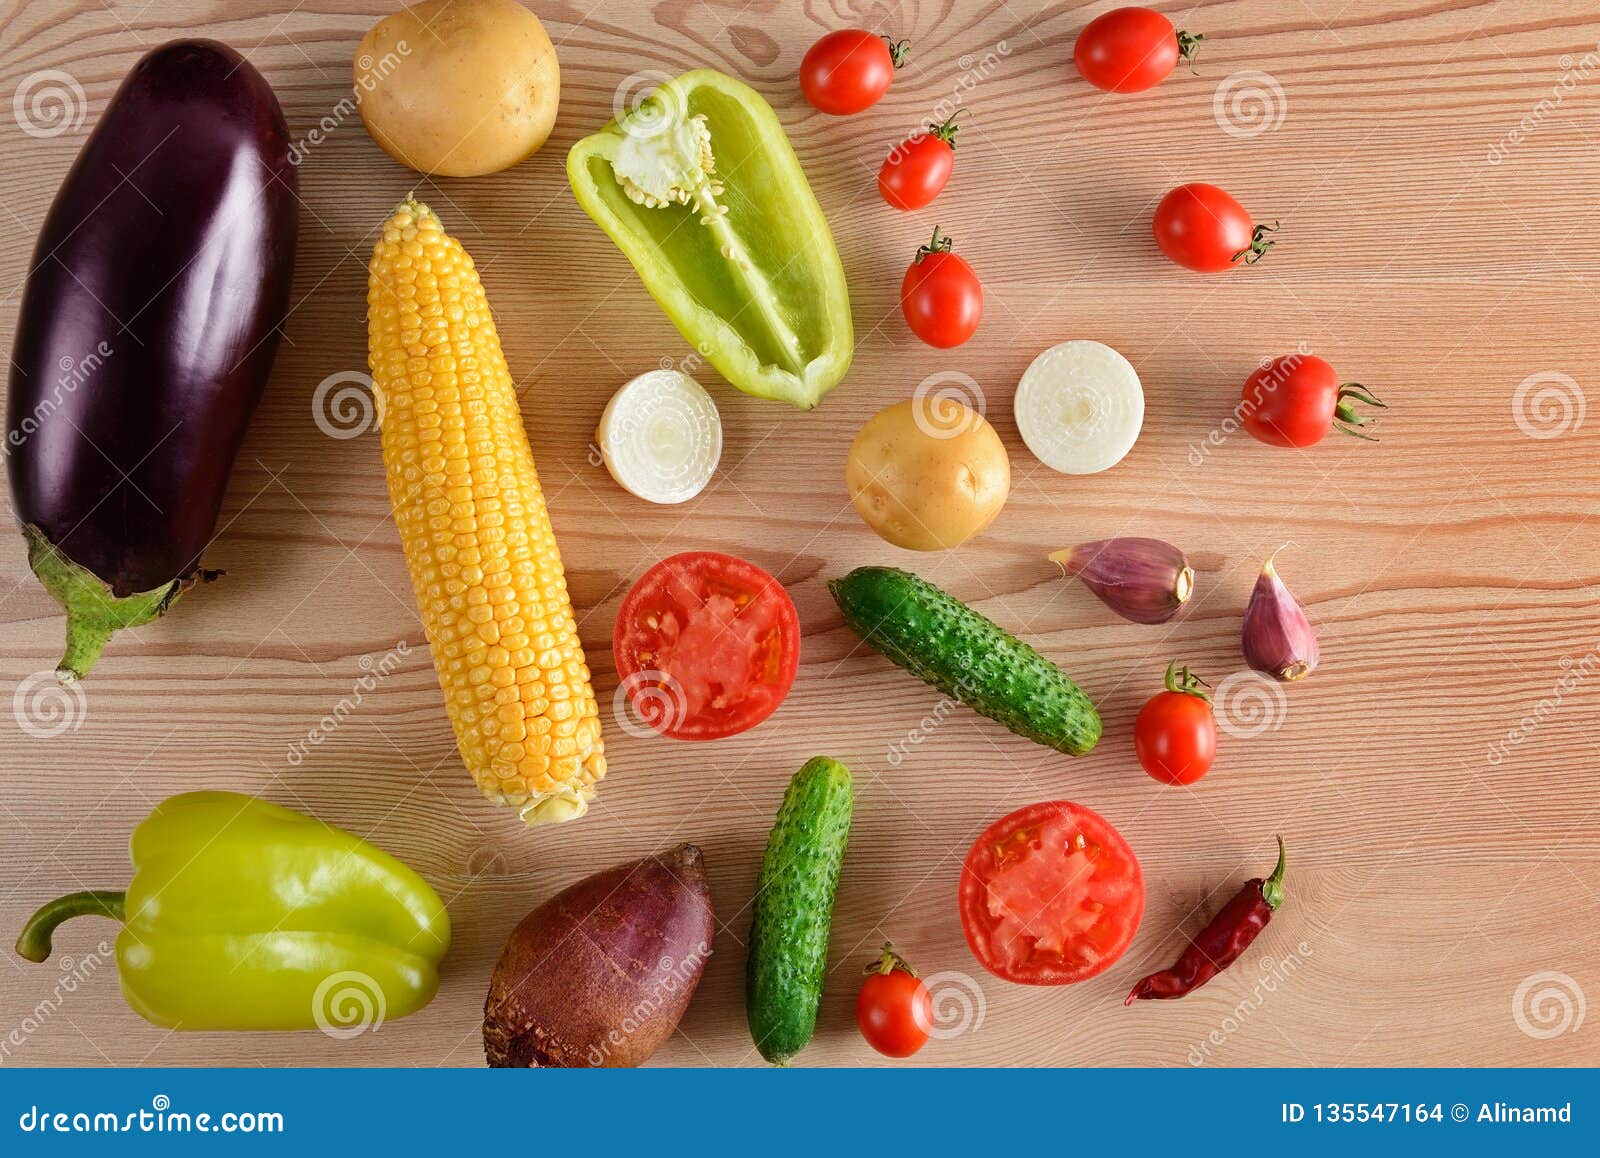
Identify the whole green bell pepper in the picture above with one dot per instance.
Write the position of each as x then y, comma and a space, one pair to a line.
244, 915
700, 189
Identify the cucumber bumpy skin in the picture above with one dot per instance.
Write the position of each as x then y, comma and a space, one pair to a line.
969, 657
794, 907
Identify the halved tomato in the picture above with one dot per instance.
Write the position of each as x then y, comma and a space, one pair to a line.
706, 645
1050, 894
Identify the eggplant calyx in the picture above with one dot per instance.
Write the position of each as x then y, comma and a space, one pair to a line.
94, 611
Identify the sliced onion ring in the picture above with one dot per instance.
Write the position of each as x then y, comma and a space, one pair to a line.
1079, 407
661, 437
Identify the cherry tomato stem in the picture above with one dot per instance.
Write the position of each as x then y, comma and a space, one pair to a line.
1259, 244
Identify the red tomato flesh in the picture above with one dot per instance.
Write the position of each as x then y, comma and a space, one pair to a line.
894, 1012
707, 645
1050, 895
1126, 50
1291, 401
1201, 227
847, 71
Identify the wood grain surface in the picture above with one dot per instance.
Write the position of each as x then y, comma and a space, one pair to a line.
1434, 167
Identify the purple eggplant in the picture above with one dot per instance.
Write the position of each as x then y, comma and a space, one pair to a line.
146, 335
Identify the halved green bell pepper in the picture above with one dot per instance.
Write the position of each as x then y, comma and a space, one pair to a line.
245, 915
700, 189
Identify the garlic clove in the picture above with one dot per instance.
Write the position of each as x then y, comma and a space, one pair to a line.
1143, 580
1277, 637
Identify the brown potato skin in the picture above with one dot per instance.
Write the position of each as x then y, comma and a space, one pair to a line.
458, 88
600, 973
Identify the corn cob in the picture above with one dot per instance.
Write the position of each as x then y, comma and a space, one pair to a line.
472, 520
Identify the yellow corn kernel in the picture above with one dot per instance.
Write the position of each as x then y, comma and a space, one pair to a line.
472, 520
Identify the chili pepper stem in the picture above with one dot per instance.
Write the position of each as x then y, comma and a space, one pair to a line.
34, 943
1272, 887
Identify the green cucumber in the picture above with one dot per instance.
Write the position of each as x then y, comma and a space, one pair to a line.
967, 656
793, 908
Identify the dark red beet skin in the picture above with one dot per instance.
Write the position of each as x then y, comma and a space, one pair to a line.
147, 332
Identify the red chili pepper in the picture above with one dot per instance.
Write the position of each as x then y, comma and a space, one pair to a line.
1221, 942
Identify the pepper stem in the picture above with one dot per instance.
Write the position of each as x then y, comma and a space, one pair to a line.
34, 942
1257, 249
887, 962
1272, 887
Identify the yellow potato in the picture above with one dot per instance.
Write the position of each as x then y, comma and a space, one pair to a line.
927, 473
458, 87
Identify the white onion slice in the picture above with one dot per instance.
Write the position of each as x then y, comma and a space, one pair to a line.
661, 437
1079, 407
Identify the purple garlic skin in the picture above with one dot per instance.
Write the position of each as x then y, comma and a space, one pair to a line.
1278, 639
1145, 580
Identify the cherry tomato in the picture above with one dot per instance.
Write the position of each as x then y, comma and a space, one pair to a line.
848, 71
706, 646
918, 168
1050, 894
1175, 736
940, 296
1131, 49
1295, 400
894, 1009
1200, 227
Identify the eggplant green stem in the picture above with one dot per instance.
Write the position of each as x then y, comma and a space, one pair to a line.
1272, 887
94, 611
34, 943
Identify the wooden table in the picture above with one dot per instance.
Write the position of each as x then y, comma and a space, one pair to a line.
1434, 169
